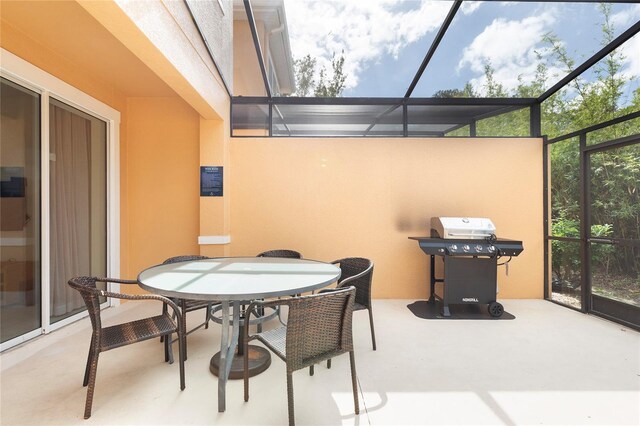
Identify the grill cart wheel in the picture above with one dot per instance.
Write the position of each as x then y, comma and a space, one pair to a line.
495, 309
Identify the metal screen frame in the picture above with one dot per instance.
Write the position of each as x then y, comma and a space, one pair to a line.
513, 103
496, 107
585, 212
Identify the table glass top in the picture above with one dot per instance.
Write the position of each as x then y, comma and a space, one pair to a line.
238, 278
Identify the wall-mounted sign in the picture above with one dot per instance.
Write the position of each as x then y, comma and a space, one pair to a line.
211, 181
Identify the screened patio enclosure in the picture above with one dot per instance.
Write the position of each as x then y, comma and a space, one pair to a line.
150, 130
592, 251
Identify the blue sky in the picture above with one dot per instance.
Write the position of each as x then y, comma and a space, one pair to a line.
384, 41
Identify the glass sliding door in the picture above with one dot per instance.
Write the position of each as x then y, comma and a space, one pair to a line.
78, 203
20, 283
614, 231
59, 199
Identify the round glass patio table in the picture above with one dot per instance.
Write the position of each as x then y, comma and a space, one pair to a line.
232, 281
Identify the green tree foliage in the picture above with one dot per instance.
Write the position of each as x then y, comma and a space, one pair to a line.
466, 92
615, 174
330, 86
305, 68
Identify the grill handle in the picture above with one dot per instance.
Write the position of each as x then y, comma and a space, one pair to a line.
602, 240
471, 236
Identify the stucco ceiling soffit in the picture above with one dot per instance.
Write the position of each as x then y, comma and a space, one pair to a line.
152, 34
89, 48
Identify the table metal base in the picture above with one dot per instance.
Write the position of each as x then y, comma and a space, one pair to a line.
259, 361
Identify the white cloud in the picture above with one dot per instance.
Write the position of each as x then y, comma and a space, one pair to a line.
631, 48
468, 7
511, 47
507, 76
364, 30
631, 52
626, 17
505, 42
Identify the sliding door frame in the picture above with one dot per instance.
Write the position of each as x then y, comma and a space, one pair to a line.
49, 87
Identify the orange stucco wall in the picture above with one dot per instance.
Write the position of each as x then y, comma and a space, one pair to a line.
333, 198
163, 180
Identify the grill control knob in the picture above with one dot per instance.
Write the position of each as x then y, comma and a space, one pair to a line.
492, 249
465, 247
478, 247
453, 247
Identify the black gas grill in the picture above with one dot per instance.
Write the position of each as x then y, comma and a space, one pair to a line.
470, 268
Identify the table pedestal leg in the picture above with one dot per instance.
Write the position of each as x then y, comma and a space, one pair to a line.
227, 349
259, 359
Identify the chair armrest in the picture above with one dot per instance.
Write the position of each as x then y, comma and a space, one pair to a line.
329, 290
346, 281
132, 282
162, 299
116, 280
251, 309
262, 304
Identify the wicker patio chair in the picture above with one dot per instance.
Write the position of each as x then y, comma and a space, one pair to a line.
291, 254
358, 272
187, 305
115, 336
318, 328
288, 254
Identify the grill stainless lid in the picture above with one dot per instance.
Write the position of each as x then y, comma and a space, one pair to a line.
475, 228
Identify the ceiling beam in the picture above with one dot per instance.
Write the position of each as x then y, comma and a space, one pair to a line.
256, 43
294, 100
434, 46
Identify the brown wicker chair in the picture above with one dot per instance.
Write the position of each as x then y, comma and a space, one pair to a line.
115, 336
187, 305
358, 272
291, 254
318, 328
284, 253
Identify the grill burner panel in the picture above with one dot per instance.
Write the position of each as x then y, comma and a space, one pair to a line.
471, 247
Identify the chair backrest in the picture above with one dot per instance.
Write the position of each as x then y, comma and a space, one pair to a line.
176, 259
318, 327
291, 254
352, 266
91, 296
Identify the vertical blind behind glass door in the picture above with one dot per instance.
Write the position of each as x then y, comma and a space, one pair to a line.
78, 197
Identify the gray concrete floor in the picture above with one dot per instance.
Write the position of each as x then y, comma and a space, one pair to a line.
550, 365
